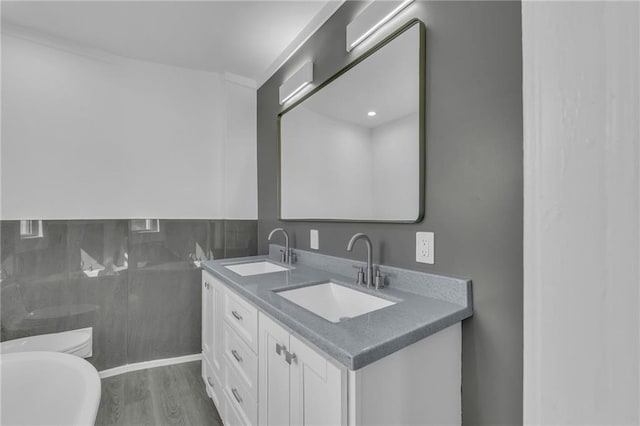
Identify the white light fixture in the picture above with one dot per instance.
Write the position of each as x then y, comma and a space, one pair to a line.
371, 113
298, 81
375, 15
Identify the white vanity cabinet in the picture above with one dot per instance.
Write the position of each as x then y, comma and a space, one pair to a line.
298, 386
239, 342
229, 349
259, 373
212, 314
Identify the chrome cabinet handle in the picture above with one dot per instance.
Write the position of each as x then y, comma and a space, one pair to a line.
236, 355
210, 381
236, 315
279, 348
288, 356
236, 395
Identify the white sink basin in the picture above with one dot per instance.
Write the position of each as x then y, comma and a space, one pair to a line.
255, 268
48, 388
334, 302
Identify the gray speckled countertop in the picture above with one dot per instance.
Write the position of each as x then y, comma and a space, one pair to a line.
425, 304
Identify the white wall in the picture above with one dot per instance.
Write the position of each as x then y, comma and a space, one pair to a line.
90, 135
240, 156
582, 216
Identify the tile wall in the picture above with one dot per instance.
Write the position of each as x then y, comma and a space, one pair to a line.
140, 291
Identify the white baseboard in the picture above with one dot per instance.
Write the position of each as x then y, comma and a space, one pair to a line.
148, 364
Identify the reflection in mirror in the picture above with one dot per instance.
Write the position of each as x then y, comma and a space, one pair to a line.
352, 149
101, 248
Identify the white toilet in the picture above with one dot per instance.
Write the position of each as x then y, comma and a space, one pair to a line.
74, 342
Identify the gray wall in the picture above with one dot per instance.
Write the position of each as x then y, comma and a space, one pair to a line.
474, 199
144, 305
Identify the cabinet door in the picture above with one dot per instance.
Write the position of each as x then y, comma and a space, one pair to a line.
212, 322
318, 388
207, 316
217, 293
273, 389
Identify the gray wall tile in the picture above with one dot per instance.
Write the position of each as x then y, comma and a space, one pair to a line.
93, 245
240, 238
164, 313
216, 238
139, 291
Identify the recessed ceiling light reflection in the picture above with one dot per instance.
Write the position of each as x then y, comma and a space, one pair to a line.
371, 113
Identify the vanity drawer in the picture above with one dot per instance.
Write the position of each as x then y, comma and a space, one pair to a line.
240, 396
233, 418
243, 318
239, 357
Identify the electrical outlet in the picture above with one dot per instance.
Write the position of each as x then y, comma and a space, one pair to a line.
314, 238
425, 247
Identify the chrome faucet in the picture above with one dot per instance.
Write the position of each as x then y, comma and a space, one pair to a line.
286, 256
369, 272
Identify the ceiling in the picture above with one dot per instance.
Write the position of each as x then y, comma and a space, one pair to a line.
246, 38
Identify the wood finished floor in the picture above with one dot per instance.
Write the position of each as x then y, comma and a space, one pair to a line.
171, 395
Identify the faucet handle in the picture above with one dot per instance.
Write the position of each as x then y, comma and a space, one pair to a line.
293, 257
379, 280
360, 278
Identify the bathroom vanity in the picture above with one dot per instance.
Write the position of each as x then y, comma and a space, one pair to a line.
303, 344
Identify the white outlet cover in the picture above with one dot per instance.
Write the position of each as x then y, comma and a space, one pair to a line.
425, 248
314, 239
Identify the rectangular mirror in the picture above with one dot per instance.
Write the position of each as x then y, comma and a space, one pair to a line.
353, 148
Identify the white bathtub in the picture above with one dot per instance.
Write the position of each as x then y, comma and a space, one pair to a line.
48, 388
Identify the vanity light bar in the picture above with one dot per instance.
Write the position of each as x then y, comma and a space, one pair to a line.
375, 15
298, 81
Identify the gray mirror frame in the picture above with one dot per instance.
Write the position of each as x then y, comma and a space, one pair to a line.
421, 133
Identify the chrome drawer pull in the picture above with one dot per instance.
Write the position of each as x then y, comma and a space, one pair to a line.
210, 381
236, 315
236, 395
236, 355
